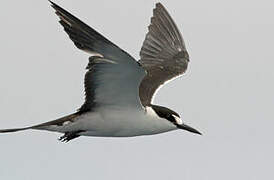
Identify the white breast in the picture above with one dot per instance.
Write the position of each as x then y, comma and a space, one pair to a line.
121, 123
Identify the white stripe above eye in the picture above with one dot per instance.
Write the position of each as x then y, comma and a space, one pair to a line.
178, 120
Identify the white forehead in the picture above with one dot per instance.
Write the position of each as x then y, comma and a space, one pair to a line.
177, 119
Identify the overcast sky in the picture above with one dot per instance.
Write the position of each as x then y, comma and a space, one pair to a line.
227, 92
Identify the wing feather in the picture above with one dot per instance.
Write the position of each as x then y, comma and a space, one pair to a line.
163, 53
113, 77
88, 39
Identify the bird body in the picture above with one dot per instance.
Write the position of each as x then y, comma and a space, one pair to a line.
119, 89
115, 123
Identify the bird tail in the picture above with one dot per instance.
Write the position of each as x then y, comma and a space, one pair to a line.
13, 130
44, 126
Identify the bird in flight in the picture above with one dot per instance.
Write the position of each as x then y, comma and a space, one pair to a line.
118, 89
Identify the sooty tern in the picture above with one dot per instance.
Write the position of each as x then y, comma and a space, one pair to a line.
119, 89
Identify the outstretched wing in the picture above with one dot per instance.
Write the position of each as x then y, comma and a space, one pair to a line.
163, 53
87, 39
113, 76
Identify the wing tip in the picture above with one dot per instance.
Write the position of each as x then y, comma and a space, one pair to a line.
52, 4
58, 8
160, 6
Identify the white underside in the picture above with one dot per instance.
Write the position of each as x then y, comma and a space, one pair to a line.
113, 122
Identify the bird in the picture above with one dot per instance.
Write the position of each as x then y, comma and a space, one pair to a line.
119, 90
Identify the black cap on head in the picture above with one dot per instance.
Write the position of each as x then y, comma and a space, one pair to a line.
165, 113
170, 115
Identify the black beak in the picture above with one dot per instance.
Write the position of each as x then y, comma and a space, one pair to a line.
187, 128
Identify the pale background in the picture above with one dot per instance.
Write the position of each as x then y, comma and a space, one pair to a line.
227, 92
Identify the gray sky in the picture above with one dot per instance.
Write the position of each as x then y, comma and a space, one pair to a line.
227, 92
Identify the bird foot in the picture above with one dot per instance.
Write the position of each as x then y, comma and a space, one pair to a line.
69, 136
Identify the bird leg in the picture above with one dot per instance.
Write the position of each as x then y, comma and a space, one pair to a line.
70, 135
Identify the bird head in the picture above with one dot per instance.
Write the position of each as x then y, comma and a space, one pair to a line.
173, 118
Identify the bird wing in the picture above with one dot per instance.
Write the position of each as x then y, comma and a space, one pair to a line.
113, 76
163, 54
87, 39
